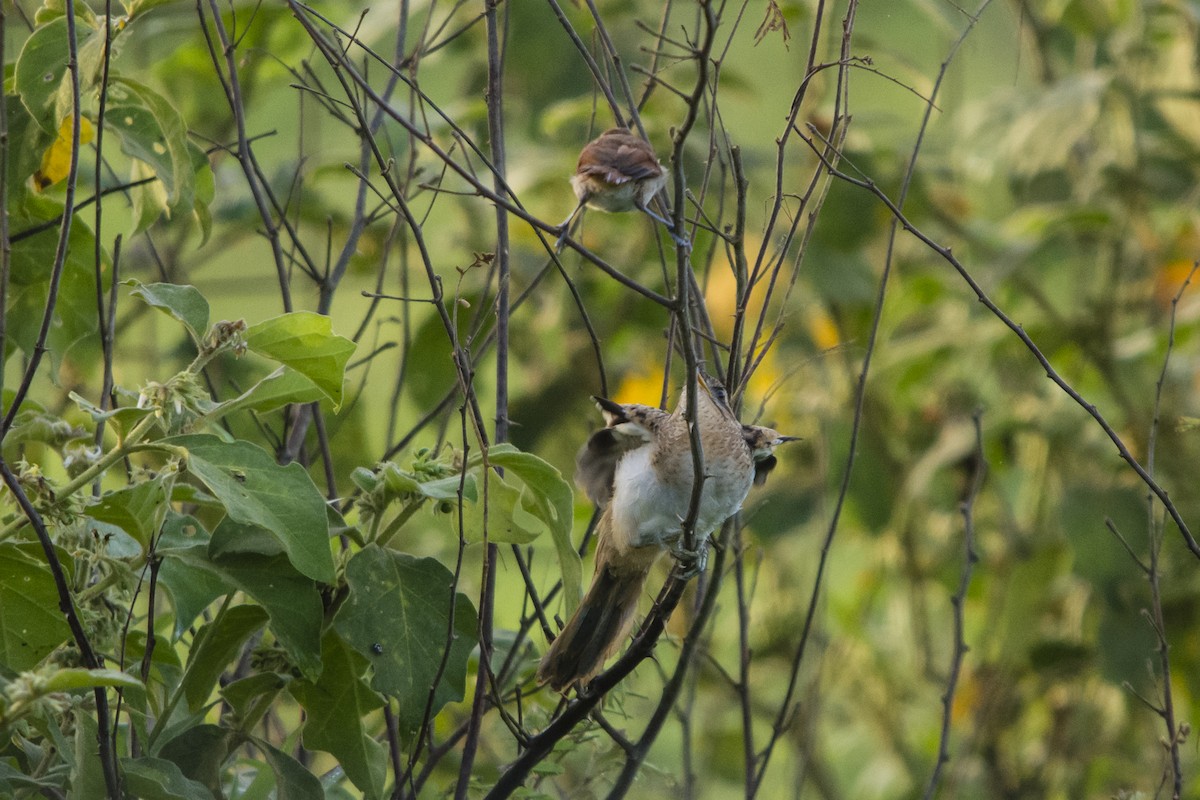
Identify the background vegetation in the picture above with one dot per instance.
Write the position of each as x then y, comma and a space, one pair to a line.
293, 385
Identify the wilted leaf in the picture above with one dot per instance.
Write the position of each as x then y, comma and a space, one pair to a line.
56, 160
152, 132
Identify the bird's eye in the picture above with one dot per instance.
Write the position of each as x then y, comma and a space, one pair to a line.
720, 395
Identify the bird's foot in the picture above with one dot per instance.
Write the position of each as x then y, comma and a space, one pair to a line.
681, 241
690, 563
559, 243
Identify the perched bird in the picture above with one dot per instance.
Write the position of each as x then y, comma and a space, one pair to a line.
639, 469
618, 171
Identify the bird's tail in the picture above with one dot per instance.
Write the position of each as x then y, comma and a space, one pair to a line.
600, 624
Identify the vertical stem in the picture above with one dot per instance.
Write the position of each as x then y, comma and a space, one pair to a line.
495, 107
5, 244
103, 318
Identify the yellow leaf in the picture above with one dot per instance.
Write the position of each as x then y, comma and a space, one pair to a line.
56, 161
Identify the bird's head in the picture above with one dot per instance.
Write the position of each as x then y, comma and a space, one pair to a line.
762, 442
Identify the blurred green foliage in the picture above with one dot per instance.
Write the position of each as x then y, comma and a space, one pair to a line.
1060, 163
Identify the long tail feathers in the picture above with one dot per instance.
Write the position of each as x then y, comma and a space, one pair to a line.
598, 628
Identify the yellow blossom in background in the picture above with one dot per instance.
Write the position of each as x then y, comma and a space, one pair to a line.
642, 385
1168, 280
821, 328
56, 161
720, 294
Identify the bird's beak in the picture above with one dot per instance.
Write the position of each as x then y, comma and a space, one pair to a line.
715, 391
785, 439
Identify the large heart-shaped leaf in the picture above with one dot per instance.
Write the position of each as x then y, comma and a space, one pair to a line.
399, 617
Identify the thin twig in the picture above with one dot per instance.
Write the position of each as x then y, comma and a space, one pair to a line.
959, 601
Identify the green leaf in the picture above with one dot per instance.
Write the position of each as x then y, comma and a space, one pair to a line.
52, 9
281, 387
70, 679
73, 327
231, 538
30, 623
165, 668
257, 491
38, 426
12, 779
116, 542
40, 69
398, 482
305, 342
205, 189
151, 778
398, 616
251, 698
135, 8
552, 502
432, 357
216, 645
507, 520
291, 599
192, 589
199, 752
153, 132
138, 510
27, 142
87, 777
335, 707
183, 302
126, 418
292, 781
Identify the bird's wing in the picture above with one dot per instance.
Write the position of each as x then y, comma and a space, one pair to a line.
618, 158
628, 428
636, 160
